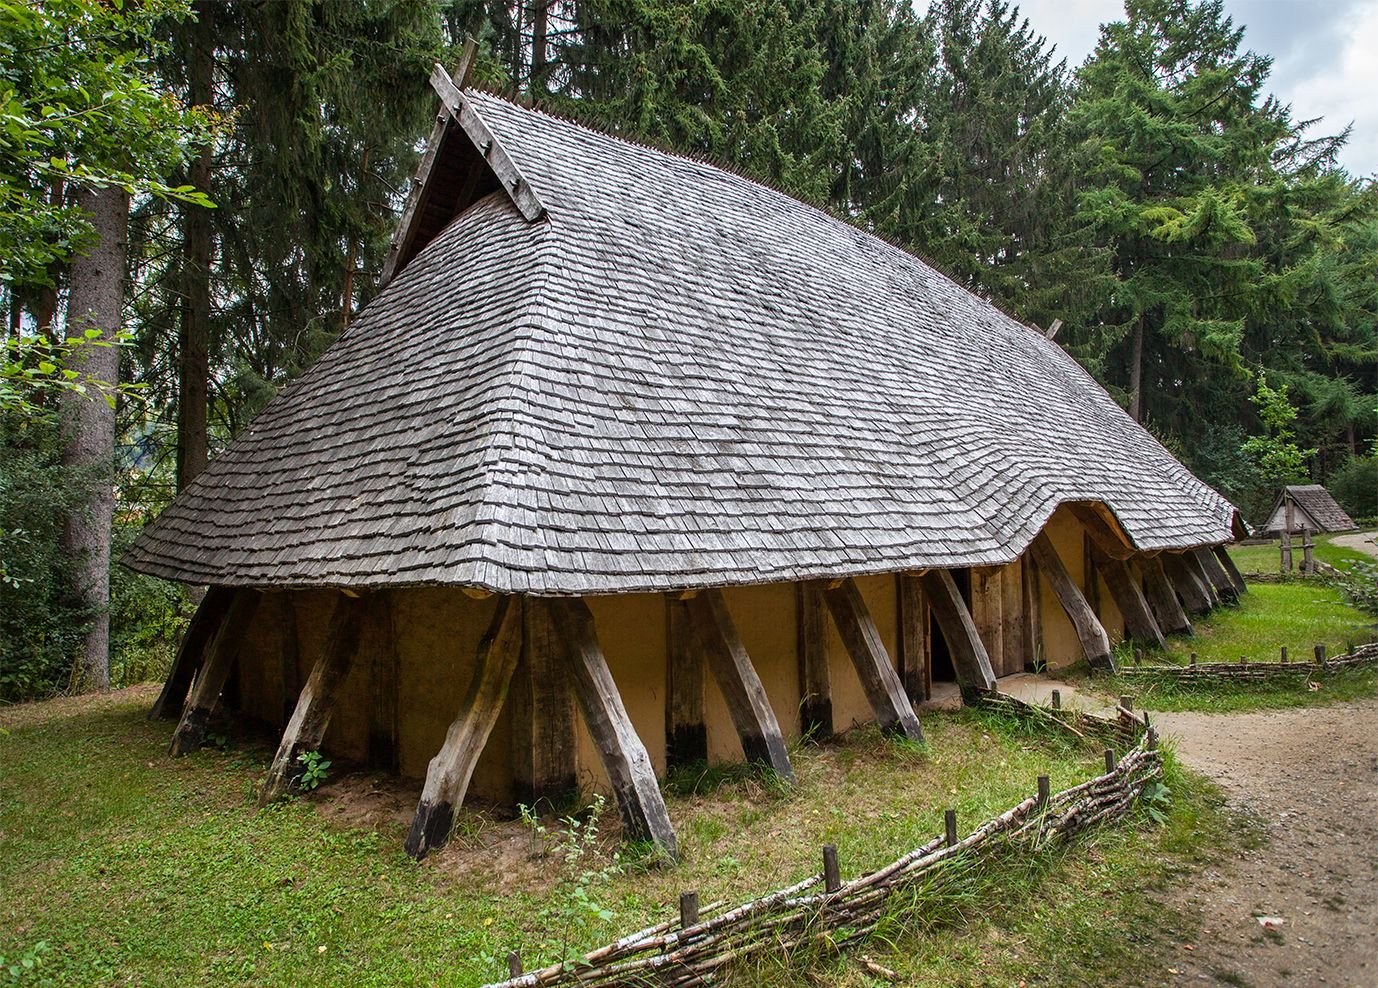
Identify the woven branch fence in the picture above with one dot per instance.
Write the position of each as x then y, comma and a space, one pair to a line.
1246, 670
822, 912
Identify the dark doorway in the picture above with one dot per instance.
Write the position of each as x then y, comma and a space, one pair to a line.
940, 656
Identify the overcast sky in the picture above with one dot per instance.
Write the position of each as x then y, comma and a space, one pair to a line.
1325, 56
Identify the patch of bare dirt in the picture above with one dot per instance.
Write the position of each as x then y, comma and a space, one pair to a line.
1303, 908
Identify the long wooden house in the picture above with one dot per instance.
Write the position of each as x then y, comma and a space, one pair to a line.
635, 462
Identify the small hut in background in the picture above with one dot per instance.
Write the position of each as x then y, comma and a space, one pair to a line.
1313, 509
635, 462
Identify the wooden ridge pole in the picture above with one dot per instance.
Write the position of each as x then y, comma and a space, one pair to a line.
894, 713
759, 731
1095, 643
207, 620
970, 660
306, 728
815, 679
449, 772
221, 653
1162, 598
1129, 598
624, 757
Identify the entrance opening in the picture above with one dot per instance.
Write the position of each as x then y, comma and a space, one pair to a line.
940, 655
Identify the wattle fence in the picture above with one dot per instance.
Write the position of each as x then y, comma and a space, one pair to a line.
823, 912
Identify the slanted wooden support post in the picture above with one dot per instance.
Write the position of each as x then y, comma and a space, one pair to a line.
541, 704
624, 757
970, 661
449, 772
221, 653
915, 654
686, 736
759, 731
1222, 556
1095, 643
1216, 575
209, 616
311, 717
1194, 596
1192, 561
1162, 598
815, 681
894, 713
1138, 618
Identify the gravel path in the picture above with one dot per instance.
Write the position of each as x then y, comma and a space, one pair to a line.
1303, 908
1362, 541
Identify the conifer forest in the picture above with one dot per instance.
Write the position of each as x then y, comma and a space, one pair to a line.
197, 196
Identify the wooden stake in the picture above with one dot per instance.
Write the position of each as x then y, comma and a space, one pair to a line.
306, 728
1282, 657
1057, 699
514, 964
970, 661
207, 620
541, 703
815, 682
221, 653
759, 731
1109, 760
950, 827
624, 757
1162, 599
688, 910
449, 772
832, 873
1138, 618
1095, 643
859, 634
1044, 791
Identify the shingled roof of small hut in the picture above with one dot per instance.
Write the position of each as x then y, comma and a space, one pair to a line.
675, 377
1320, 505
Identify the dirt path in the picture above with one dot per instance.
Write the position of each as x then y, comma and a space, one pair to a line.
1362, 541
1311, 777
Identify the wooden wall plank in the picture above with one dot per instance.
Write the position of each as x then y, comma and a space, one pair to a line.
686, 734
624, 757
815, 682
449, 772
987, 613
221, 653
380, 638
1095, 643
970, 661
757, 727
916, 666
545, 767
893, 711
306, 729
1015, 649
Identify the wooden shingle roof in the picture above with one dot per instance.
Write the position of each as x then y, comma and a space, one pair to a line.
1320, 506
673, 377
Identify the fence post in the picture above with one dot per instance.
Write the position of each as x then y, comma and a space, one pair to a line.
688, 909
1127, 702
832, 874
1044, 791
1057, 699
1320, 654
1110, 762
1283, 659
1193, 660
950, 827
514, 964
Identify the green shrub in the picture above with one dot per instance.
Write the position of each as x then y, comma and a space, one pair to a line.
147, 619
1355, 486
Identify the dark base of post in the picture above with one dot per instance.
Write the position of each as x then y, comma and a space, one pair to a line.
816, 719
190, 733
686, 744
430, 828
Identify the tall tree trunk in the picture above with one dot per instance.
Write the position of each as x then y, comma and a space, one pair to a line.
194, 342
88, 421
1136, 371
352, 258
540, 65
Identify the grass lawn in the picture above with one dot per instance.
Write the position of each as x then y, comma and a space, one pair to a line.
1267, 558
121, 866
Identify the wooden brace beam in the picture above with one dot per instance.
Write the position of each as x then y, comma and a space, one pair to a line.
449, 772
1215, 574
1162, 598
1187, 582
1095, 643
215, 670
1192, 560
1227, 564
209, 616
759, 731
894, 713
1129, 598
624, 757
970, 660
306, 728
